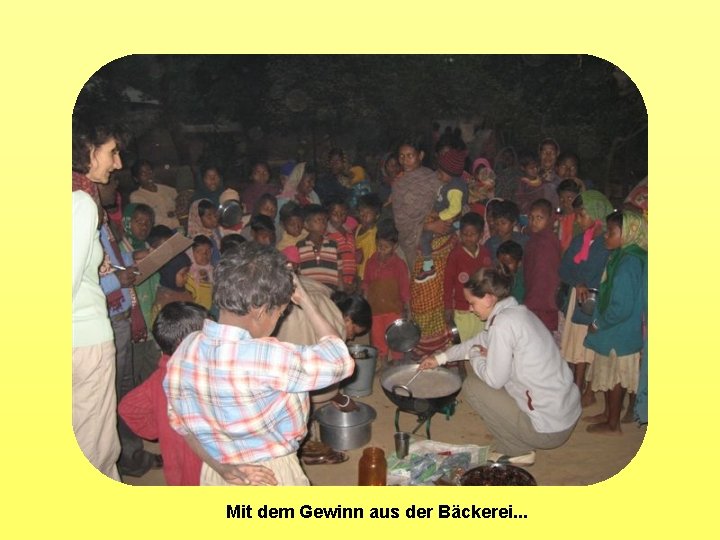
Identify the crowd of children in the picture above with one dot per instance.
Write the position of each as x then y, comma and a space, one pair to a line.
556, 241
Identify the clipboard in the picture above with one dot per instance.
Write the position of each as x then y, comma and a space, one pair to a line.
176, 244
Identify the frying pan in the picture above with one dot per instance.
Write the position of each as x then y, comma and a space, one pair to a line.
230, 213
402, 335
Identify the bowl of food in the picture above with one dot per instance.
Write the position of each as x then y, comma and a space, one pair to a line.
497, 474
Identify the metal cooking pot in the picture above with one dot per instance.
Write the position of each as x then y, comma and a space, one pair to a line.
230, 213
442, 392
345, 430
402, 335
588, 306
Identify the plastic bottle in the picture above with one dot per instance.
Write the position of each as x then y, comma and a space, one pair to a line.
372, 468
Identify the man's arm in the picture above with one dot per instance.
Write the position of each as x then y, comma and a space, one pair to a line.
243, 475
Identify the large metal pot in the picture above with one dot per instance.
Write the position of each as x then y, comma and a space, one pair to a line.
345, 430
434, 389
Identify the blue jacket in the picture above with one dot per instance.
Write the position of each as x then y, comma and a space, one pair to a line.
588, 272
620, 326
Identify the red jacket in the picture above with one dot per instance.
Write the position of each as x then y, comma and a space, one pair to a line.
541, 267
460, 266
144, 409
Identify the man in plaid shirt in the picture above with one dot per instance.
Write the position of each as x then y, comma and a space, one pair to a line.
240, 397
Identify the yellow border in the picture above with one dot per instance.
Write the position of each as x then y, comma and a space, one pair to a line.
50, 51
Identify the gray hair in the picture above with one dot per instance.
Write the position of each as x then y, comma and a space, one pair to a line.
493, 281
252, 276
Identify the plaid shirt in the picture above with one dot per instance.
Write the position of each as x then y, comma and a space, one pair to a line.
246, 400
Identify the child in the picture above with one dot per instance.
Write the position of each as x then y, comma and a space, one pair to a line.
319, 258
541, 264
158, 235
359, 185
204, 220
259, 185
231, 241
386, 285
173, 278
464, 260
530, 186
567, 191
509, 256
452, 198
616, 331
482, 187
567, 167
210, 186
504, 218
200, 280
369, 208
137, 223
144, 409
263, 230
345, 240
292, 221
265, 205
239, 397
390, 169
581, 268
159, 197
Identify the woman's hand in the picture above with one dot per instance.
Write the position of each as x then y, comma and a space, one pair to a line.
428, 362
126, 277
581, 292
246, 475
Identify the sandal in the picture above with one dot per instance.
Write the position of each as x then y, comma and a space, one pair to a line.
330, 458
313, 449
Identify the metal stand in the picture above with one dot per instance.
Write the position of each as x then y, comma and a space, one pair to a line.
421, 419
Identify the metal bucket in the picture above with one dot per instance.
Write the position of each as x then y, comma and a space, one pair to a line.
360, 384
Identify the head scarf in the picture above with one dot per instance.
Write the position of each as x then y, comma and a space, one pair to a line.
195, 225
169, 272
202, 191
597, 206
293, 180
480, 161
132, 240
634, 244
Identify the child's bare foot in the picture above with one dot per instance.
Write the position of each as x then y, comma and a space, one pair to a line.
604, 429
596, 419
588, 398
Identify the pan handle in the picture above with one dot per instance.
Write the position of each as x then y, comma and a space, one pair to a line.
410, 394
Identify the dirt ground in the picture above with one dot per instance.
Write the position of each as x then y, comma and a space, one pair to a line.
585, 459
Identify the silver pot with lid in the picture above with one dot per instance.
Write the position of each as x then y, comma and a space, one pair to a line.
345, 430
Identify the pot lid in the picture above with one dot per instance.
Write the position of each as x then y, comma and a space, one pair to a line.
330, 415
